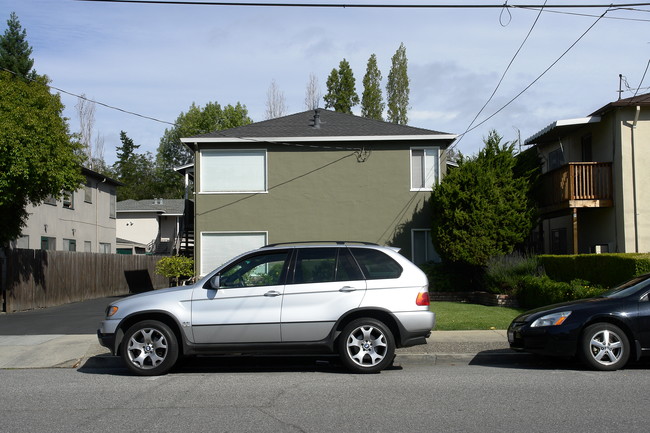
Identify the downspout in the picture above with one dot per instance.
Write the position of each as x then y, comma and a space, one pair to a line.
634, 197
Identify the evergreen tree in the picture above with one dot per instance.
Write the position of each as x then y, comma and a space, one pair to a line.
481, 208
397, 88
372, 104
135, 171
341, 94
15, 51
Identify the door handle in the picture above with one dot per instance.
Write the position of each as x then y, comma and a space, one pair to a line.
347, 289
272, 294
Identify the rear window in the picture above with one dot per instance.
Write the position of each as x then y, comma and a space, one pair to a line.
376, 265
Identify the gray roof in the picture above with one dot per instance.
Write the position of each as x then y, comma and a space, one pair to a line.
170, 206
321, 123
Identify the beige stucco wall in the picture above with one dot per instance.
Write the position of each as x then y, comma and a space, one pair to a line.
140, 227
318, 194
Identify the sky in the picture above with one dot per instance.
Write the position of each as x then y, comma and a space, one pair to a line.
155, 60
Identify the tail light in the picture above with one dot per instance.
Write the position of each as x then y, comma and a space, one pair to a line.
423, 299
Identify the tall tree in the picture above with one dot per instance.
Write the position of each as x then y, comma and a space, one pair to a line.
15, 51
372, 103
397, 88
134, 170
93, 147
198, 120
481, 208
341, 94
312, 93
276, 104
38, 158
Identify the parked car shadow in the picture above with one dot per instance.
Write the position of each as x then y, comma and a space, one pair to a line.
108, 364
507, 358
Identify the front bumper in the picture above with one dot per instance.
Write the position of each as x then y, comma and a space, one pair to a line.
107, 340
559, 340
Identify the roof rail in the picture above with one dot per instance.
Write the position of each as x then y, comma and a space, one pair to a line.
320, 242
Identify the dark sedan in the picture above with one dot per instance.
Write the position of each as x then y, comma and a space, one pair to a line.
605, 332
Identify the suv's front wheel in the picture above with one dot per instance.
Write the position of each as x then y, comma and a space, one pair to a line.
149, 348
366, 346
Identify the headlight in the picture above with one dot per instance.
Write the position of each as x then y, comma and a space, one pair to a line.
554, 319
111, 310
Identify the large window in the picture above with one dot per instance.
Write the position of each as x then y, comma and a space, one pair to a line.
233, 171
424, 168
217, 248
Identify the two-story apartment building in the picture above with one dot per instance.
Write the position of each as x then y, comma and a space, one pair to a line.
595, 190
315, 175
84, 220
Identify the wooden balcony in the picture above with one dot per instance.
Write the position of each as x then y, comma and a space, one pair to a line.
576, 185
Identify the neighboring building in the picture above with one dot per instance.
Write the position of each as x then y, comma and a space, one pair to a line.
316, 175
595, 190
84, 220
152, 226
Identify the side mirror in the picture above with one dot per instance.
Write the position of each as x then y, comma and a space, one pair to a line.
214, 282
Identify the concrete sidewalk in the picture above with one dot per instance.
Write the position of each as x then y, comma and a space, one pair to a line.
74, 351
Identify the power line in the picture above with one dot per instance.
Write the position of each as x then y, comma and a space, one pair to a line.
371, 6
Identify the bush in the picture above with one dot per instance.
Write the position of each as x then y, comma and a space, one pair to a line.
175, 268
503, 273
538, 291
453, 277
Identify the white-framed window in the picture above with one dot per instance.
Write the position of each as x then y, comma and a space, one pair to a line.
233, 171
69, 245
112, 206
22, 242
68, 199
88, 192
219, 247
104, 248
422, 250
88, 247
425, 168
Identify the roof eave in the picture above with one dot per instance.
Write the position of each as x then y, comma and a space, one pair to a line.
558, 129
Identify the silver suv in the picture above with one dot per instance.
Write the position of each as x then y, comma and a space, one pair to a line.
356, 299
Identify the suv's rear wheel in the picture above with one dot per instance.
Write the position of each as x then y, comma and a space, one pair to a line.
366, 346
149, 348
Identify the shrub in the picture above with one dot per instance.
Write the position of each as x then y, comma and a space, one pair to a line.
503, 273
453, 277
175, 268
537, 291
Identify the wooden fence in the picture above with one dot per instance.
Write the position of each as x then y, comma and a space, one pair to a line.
38, 278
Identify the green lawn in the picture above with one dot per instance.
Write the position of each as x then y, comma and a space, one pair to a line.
456, 316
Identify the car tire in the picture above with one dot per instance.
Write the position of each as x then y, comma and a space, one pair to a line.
366, 346
149, 348
604, 346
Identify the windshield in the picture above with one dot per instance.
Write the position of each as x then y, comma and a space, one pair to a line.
628, 288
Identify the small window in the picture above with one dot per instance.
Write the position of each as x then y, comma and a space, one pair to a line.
88, 193
22, 242
69, 245
585, 147
555, 159
50, 200
48, 243
376, 265
112, 206
104, 248
68, 200
253, 271
424, 168
422, 245
88, 247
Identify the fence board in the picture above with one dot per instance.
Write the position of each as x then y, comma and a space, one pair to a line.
38, 279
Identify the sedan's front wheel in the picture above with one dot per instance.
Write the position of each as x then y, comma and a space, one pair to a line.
149, 348
604, 347
366, 346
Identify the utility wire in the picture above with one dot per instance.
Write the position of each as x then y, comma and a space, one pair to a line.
534, 81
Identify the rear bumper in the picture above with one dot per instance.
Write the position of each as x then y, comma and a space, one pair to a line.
415, 327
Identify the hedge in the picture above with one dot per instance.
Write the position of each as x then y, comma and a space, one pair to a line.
606, 270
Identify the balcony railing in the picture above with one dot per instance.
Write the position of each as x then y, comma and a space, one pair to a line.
577, 184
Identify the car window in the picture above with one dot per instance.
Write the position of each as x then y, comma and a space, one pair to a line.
376, 265
259, 270
629, 287
321, 265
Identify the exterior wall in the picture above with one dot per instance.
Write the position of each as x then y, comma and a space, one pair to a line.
318, 194
633, 188
85, 221
140, 227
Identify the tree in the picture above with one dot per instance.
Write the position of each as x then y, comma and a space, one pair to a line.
135, 171
276, 105
341, 94
198, 120
94, 151
15, 51
481, 208
38, 158
312, 93
372, 104
397, 88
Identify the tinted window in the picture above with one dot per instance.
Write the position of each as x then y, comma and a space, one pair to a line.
321, 265
259, 270
376, 265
